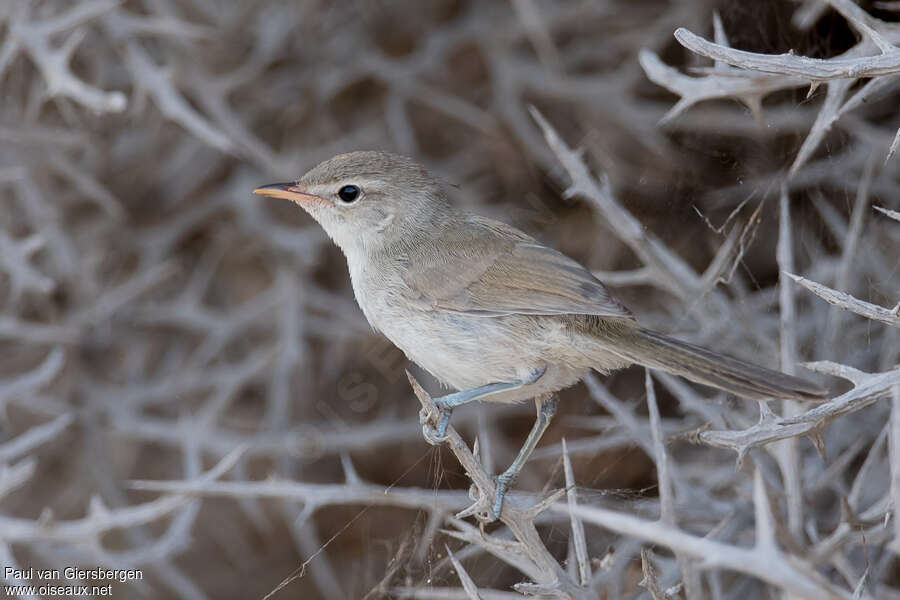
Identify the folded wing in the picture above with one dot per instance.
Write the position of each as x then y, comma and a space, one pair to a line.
492, 269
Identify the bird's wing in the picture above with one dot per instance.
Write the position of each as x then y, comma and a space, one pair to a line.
489, 269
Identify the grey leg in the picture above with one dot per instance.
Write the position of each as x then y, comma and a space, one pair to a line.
546, 408
447, 403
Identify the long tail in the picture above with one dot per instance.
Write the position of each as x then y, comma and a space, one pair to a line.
696, 363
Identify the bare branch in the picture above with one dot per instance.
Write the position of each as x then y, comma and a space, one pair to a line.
787, 453
99, 521
666, 493
774, 569
894, 447
649, 581
467, 583
584, 568
681, 278
32, 438
157, 82
814, 69
867, 391
711, 86
848, 302
36, 378
890, 213
54, 63
533, 557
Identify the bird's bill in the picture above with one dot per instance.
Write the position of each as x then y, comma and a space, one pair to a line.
292, 192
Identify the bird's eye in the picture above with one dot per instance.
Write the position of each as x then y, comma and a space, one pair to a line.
348, 193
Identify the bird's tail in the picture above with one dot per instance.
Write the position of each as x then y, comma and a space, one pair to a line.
696, 363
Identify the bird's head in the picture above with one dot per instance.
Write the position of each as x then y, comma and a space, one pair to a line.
364, 200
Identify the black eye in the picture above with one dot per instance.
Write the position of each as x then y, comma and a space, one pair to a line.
348, 193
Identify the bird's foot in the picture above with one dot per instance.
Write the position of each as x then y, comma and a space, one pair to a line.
503, 483
484, 506
435, 434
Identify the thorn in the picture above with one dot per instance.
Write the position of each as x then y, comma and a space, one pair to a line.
815, 436
857, 593
70, 44
350, 474
765, 413
739, 461
309, 508
755, 106
417, 389
847, 515
537, 116
546, 503
719, 35
813, 86
467, 512
539, 589
96, 506
46, 518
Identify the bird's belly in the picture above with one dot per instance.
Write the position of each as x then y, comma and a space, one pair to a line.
463, 351
467, 352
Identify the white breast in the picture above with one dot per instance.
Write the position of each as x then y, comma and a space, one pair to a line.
464, 351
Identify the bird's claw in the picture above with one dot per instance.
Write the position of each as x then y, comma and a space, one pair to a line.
435, 435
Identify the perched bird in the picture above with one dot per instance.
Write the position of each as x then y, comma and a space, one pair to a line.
486, 308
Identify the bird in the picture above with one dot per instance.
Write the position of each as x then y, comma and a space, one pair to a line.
485, 308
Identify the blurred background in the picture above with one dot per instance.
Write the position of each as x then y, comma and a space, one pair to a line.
155, 315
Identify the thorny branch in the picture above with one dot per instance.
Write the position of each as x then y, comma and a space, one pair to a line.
154, 316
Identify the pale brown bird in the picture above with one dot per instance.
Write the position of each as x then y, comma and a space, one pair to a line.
486, 308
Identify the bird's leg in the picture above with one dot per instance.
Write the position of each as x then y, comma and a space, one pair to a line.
447, 403
546, 408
